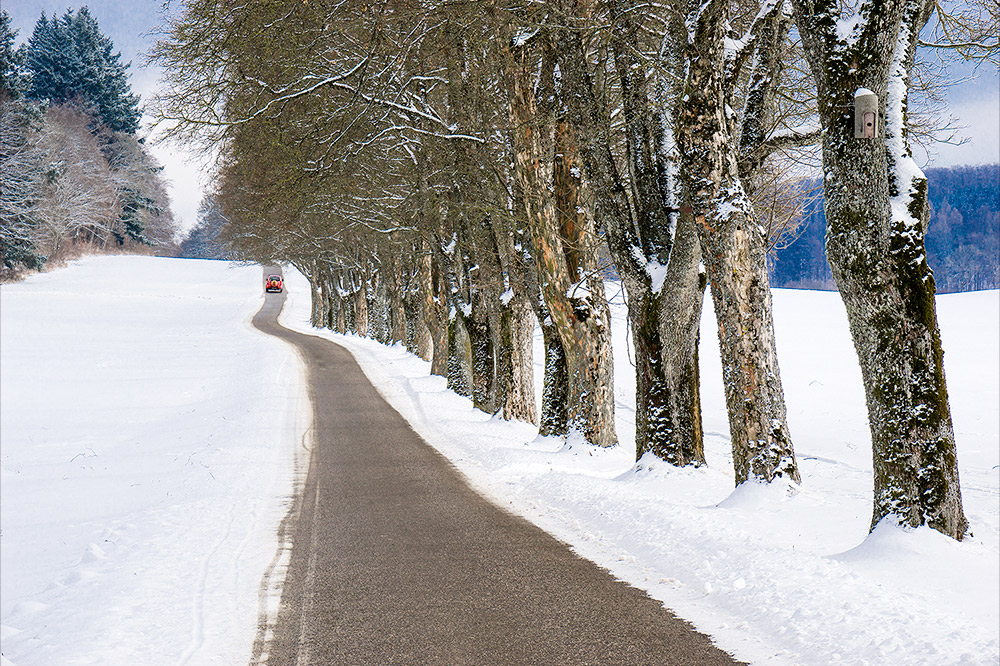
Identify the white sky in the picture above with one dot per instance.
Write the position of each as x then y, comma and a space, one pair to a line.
130, 24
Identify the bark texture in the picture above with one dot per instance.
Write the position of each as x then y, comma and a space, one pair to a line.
634, 215
734, 253
876, 211
547, 171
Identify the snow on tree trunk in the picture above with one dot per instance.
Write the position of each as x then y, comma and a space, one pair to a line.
876, 212
639, 233
554, 420
459, 355
515, 375
734, 254
503, 285
680, 301
547, 171
483, 360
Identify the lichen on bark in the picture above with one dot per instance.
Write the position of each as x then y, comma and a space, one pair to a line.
876, 211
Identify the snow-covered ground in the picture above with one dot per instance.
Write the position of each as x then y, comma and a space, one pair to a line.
149, 441
148, 449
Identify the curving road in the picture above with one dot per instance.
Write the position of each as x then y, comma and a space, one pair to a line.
395, 560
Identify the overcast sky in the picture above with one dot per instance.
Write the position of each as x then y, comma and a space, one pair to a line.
132, 26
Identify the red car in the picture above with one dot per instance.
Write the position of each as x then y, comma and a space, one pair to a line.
273, 283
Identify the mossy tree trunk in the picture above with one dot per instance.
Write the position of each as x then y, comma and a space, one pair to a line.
876, 212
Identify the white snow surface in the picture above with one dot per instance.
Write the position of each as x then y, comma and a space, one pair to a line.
151, 440
148, 442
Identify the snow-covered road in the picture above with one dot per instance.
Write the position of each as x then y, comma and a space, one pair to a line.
150, 440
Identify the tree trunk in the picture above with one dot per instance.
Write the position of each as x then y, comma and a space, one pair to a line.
394, 302
435, 310
515, 374
876, 211
680, 322
338, 311
524, 307
417, 335
317, 314
360, 299
734, 252
554, 420
459, 355
579, 308
484, 374
573, 292
640, 237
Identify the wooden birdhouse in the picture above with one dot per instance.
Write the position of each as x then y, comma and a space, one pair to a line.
865, 114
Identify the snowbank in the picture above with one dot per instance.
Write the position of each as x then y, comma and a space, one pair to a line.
150, 441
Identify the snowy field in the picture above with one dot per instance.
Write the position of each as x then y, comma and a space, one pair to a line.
148, 438
150, 441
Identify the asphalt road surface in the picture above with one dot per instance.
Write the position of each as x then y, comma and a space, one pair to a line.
396, 560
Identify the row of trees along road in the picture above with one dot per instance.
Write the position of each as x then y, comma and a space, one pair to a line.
447, 174
75, 176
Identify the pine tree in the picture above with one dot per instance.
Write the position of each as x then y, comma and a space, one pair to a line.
19, 170
51, 61
104, 80
70, 59
12, 81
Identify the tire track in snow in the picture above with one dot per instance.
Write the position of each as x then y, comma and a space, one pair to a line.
198, 603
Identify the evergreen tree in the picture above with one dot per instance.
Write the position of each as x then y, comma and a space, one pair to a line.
70, 59
51, 61
19, 172
104, 80
12, 81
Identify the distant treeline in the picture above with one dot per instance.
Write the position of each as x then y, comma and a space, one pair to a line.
963, 239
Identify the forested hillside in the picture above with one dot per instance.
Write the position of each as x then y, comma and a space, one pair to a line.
76, 176
963, 237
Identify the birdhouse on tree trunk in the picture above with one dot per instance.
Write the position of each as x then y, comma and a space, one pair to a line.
865, 114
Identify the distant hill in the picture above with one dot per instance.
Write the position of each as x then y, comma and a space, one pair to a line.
963, 238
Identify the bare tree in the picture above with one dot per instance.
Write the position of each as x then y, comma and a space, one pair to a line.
876, 211
549, 179
733, 242
635, 198
77, 193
